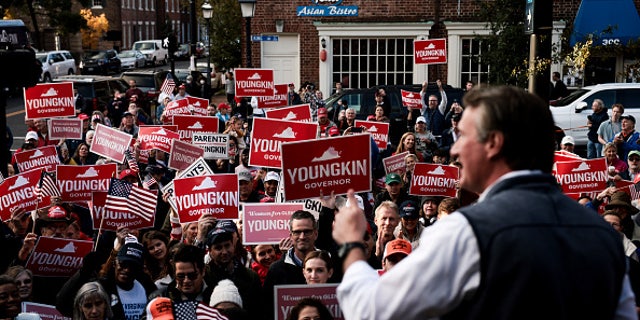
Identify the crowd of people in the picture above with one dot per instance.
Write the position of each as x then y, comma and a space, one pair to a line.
165, 271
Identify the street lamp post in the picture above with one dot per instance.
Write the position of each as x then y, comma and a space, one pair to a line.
248, 8
207, 13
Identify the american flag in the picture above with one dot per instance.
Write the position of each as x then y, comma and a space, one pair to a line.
46, 187
635, 191
131, 161
204, 312
168, 85
147, 184
185, 310
124, 196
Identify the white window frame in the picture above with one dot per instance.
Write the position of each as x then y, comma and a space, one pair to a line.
328, 31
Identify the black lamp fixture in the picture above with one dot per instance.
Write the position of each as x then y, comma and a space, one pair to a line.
248, 8
207, 14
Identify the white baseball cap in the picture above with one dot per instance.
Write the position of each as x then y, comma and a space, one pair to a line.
31, 135
272, 176
567, 140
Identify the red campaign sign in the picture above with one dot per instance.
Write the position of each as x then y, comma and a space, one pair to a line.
395, 163
267, 136
333, 164
562, 155
582, 175
287, 296
198, 105
411, 100
44, 157
45, 311
110, 143
301, 112
157, 137
431, 51
175, 107
183, 154
434, 180
57, 257
49, 100
17, 192
267, 223
279, 99
214, 194
188, 124
114, 219
65, 129
379, 132
76, 183
254, 83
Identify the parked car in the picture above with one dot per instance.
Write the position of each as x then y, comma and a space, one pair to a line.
216, 76
153, 51
183, 52
570, 113
100, 62
55, 64
132, 59
363, 101
96, 90
149, 81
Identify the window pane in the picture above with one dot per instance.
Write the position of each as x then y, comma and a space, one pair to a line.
382, 46
355, 46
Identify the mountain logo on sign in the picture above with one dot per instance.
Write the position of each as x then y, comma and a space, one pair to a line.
161, 132
50, 93
36, 154
290, 116
410, 95
207, 183
582, 167
287, 134
330, 154
20, 181
373, 129
90, 173
255, 76
431, 46
437, 171
69, 248
196, 125
197, 104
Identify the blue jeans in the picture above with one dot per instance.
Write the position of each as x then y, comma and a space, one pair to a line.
594, 149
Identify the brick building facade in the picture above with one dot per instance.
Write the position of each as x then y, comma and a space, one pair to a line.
375, 46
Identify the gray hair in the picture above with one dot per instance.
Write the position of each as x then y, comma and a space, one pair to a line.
91, 290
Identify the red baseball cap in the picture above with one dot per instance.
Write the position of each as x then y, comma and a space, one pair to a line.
127, 173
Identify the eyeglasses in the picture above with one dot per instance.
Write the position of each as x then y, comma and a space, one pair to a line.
191, 275
634, 159
306, 232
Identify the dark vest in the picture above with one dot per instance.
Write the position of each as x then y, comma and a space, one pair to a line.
435, 121
542, 256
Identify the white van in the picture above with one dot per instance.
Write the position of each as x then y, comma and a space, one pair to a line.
570, 113
153, 51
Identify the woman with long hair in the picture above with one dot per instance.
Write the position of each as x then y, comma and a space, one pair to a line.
92, 303
317, 267
82, 156
157, 254
24, 280
408, 143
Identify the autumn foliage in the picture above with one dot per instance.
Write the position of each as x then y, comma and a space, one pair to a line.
96, 27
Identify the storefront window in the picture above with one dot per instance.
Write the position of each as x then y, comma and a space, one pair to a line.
368, 62
472, 67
